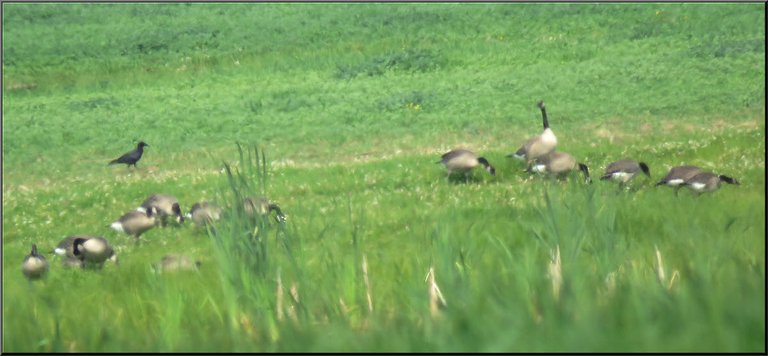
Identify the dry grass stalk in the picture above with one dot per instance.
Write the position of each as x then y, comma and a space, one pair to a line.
660, 267
675, 277
367, 284
292, 308
344, 308
436, 299
556, 273
280, 313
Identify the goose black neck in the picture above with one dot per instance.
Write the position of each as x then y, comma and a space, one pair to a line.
544, 118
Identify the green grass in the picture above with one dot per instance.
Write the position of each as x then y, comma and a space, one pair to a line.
343, 109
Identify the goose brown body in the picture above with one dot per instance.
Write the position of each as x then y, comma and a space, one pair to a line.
462, 161
34, 265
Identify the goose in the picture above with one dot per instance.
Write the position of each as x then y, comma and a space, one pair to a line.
559, 164
66, 249
624, 170
93, 250
34, 266
463, 161
173, 262
204, 213
539, 145
708, 182
166, 205
679, 175
136, 222
132, 157
262, 206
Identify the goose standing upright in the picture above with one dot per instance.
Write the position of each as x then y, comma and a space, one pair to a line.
34, 266
539, 145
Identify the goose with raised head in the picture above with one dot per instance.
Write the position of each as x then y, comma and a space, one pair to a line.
463, 161
539, 145
136, 222
34, 265
624, 170
559, 164
166, 205
708, 182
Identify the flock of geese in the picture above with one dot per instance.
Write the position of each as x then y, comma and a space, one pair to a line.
81, 251
538, 153
540, 156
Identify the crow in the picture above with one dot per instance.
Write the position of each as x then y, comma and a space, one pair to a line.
132, 157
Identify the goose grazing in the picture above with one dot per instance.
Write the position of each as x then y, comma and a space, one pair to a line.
624, 170
463, 161
132, 157
203, 213
559, 164
66, 249
165, 205
173, 263
539, 145
34, 266
136, 222
93, 250
262, 206
679, 175
707, 182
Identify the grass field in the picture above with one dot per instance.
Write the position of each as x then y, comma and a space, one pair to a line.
351, 105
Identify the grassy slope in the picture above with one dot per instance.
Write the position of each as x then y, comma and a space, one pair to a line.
352, 143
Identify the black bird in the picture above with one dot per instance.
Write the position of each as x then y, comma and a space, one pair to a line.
132, 157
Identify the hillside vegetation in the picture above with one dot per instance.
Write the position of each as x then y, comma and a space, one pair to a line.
340, 112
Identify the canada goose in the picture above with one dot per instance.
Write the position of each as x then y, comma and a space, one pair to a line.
559, 164
94, 250
34, 266
538, 145
624, 170
204, 213
132, 157
66, 249
462, 161
136, 222
679, 175
262, 206
166, 205
707, 182
172, 263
